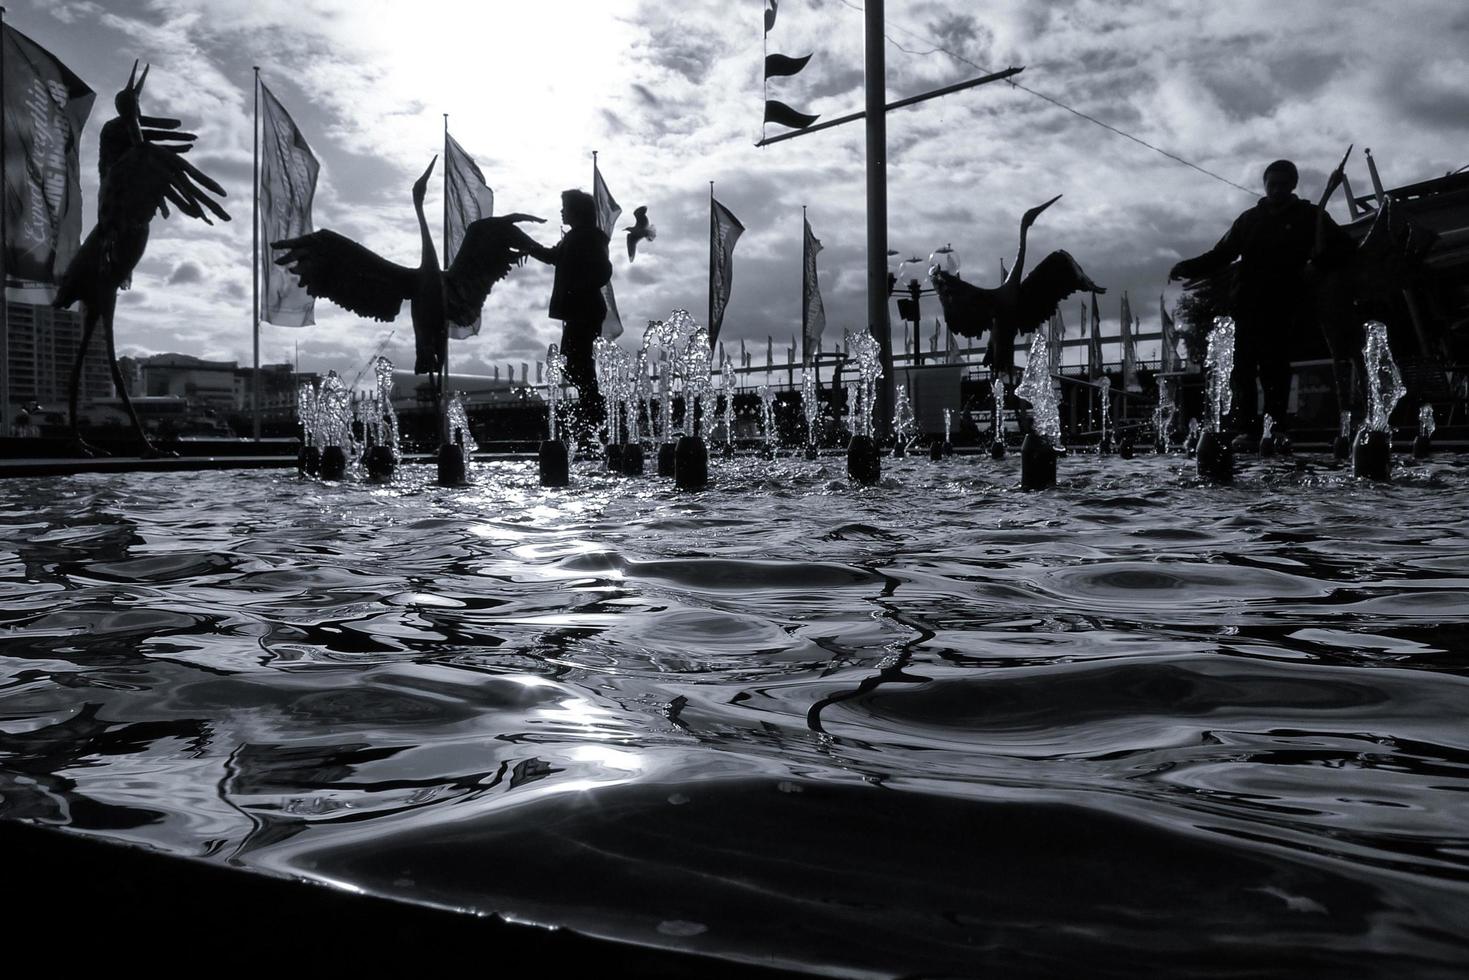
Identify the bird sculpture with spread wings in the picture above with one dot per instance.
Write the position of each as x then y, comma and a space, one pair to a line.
142, 172
1018, 305
357, 279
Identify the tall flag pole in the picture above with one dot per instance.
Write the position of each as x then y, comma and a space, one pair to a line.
1129, 351
255, 260
607, 214
467, 199
444, 337
287, 185
45, 105
874, 85
4, 242
724, 231
1081, 317
813, 312
1094, 344
1169, 359
770, 16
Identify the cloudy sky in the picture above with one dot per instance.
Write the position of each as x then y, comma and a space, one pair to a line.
670, 93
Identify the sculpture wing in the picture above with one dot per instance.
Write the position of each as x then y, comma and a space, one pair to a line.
354, 277
492, 246
968, 309
145, 179
1053, 279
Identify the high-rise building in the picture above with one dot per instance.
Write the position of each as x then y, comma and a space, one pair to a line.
42, 344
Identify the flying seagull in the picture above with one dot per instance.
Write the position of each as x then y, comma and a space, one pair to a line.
641, 229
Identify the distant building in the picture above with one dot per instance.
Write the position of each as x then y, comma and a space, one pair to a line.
205, 383
220, 385
41, 345
279, 384
411, 389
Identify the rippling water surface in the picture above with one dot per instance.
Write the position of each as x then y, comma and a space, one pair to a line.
934, 726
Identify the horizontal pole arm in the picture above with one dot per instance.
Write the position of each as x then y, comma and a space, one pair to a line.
901, 103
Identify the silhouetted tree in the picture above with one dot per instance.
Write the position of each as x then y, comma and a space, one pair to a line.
1201, 302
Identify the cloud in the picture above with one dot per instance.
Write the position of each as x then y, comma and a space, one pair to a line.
186, 272
670, 94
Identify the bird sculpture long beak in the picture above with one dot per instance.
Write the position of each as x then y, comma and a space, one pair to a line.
1035, 212
133, 112
420, 186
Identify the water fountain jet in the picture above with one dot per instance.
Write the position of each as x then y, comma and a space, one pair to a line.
1216, 458
1341, 446
864, 462
552, 460
1372, 449
691, 456
997, 431
1423, 442
1042, 445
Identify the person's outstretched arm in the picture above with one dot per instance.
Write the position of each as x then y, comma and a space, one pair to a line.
1216, 259
548, 255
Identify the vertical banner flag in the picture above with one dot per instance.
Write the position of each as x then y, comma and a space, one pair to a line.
1094, 344
467, 198
1129, 351
607, 214
724, 230
46, 106
288, 172
1057, 336
813, 312
1169, 358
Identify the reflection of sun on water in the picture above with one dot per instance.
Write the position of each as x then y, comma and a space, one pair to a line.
581, 713
609, 758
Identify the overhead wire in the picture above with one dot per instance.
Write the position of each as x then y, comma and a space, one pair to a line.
1047, 98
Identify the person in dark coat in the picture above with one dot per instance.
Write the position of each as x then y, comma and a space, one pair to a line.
582, 269
1274, 242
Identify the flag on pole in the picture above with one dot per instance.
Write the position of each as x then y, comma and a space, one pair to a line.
813, 311
769, 351
46, 106
288, 172
1129, 351
1057, 335
1169, 358
724, 231
607, 214
467, 198
1094, 343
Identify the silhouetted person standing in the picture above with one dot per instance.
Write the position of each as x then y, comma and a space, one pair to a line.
582, 269
1274, 241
